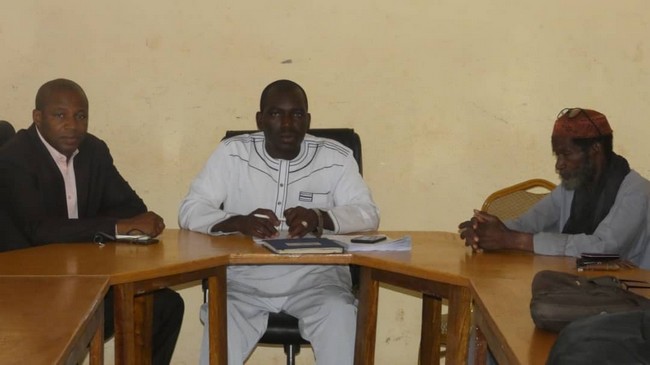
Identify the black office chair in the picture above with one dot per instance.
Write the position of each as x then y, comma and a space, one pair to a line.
6, 131
282, 328
10, 237
346, 136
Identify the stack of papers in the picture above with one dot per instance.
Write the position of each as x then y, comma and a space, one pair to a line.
398, 244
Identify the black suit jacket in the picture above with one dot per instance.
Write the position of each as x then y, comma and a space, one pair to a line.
32, 192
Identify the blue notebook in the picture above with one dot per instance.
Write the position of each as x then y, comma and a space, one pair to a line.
305, 245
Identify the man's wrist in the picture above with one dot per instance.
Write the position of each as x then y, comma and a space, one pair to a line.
230, 224
319, 227
521, 241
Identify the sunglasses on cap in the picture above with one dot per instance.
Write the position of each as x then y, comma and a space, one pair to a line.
574, 112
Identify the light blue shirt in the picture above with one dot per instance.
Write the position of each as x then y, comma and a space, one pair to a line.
625, 230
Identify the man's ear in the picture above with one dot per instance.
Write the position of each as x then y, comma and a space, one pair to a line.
308, 120
596, 148
258, 120
37, 116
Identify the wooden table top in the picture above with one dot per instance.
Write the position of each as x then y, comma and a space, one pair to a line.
438, 254
42, 318
501, 286
500, 281
178, 251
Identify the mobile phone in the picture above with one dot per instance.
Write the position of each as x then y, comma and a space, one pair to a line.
368, 239
101, 238
140, 239
599, 256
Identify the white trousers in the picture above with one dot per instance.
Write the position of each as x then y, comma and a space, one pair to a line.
327, 318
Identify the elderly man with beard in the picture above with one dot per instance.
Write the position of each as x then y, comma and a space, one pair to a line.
601, 206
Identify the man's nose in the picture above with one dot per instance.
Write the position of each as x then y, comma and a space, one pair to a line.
286, 119
559, 163
71, 122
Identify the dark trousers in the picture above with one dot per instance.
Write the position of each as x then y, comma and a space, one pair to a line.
168, 308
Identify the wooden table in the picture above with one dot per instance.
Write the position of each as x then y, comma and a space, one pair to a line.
435, 267
135, 272
51, 320
501, 290
439, 266
183, 256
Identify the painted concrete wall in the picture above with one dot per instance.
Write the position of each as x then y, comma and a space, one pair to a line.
453, 99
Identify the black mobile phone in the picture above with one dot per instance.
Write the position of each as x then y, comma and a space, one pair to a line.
102, 238
368, 239
600, 256
136, 239
141, 241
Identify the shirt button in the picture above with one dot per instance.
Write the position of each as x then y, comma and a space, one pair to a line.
279, 203
281, 185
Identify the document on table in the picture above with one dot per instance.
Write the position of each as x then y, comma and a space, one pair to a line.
304, 245
390, 244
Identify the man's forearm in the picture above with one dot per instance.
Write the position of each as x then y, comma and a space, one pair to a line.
520, 241
231, 224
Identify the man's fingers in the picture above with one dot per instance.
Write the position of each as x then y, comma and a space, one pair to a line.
484, 217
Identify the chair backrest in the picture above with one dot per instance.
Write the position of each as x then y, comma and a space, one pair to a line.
346, 136
515, 200
6, 131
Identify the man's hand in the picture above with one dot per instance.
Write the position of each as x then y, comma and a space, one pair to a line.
301, 221
494, 235
148, 223
490, 232
467, 231
259, 223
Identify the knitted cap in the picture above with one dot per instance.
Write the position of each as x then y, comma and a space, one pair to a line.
581, 123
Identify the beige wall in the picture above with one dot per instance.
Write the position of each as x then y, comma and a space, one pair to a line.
453, 99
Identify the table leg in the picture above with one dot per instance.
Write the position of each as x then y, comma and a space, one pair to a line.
97, 342
123, 306
143, 322
133, 325
458, 327
431, 330
217, 314
364, 353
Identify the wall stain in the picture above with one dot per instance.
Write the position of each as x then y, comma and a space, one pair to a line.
390, 339
153, 43
638, 54
400, 315
491, 115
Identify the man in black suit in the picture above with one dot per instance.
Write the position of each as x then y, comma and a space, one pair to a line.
58, 184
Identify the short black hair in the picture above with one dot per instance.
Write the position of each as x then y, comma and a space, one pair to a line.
58, 84
284, 85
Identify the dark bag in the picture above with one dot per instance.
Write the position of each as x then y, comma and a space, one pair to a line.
560, 298
618, 338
